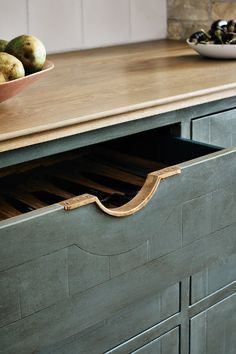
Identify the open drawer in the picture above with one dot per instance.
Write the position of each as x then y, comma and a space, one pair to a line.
72, 193
120, 176
75, 228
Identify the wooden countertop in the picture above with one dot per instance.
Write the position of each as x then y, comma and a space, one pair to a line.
100, 87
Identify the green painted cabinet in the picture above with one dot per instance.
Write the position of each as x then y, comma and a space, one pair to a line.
213, 330
216, 129
166, 344
161, 280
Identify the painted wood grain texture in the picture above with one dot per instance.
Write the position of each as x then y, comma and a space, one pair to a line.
76, 96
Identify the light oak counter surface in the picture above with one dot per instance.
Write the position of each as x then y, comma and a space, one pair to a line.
101, 87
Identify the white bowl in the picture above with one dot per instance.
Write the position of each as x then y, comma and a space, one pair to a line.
219, 51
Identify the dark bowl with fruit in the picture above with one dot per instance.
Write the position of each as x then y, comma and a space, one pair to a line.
218, 42
22, 61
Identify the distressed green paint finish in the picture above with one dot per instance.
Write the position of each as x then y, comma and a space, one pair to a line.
100, 234
168, 236
213, 278
85, 282
99, 303
9, 299
30, 236
42, 282
86, 245
86, 270
125, 324
213, 331
217, 129
166, 344
126, 261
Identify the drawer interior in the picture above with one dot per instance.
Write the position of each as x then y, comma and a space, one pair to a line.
114, 171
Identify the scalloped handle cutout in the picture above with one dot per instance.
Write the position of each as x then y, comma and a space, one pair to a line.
137, 203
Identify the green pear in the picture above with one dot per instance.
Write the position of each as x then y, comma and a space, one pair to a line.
3, 45
29, 50
2, 78
10, 67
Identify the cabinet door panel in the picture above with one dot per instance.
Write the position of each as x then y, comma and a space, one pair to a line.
218, 129
166, 344
213, 331
213, 278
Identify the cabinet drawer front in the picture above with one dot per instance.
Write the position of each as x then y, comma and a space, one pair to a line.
213, 279
213, 331
217, 129
204, 192
84, 265
166, 344
137, 318
120, 177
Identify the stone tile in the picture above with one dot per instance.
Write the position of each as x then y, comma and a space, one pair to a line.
175, 29
86, 270
9, 299
43, 282
225, 10
197, 218
188, 10
179, 29
126, 261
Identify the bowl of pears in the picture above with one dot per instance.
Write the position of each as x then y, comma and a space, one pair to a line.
218, 42
22, 61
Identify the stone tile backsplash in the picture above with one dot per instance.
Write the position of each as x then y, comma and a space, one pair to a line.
188, 16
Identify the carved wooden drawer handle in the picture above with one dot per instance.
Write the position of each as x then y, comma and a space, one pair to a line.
138, 202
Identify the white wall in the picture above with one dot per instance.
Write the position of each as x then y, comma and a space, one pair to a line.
76, 24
